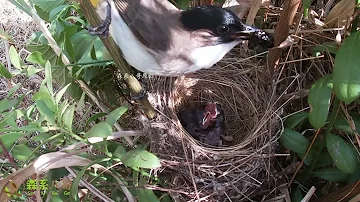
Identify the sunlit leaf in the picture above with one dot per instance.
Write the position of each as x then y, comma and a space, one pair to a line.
48, 5
21, 152
306, 6
146, 195
45, 110
48, 76
294, 141
60, 94
41, 137
5, 72
95, 117
9, 139
7, 104
37, 58
140, 158
69, 116
41, 96
54, 13
115, 115
14, 58
319, 101
5, 36
14, 89
343, 155
120, 151
347, 69
102, 129
331, 174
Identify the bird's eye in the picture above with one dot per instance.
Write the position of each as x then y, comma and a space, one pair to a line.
223, 29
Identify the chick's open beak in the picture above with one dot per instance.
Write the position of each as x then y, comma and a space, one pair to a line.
245, 32
206, 120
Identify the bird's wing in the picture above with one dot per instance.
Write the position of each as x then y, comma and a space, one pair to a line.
149, 20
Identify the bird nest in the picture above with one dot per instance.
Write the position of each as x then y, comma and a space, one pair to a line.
239, 169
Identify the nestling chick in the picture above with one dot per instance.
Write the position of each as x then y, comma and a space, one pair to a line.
214, 132
195, 120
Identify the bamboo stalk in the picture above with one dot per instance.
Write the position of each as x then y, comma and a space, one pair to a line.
282, 30
114, 50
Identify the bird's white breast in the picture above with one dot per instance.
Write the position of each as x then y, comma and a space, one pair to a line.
206, 57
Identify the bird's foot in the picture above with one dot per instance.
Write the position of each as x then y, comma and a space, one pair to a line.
141, 94
103, 29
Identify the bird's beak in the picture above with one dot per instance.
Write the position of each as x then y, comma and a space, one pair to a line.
246, 32
205, 120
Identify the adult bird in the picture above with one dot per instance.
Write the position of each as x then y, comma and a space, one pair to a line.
157, 38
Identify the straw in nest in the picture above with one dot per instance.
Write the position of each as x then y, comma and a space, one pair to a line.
238, 170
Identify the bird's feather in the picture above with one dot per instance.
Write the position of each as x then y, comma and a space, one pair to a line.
150, 21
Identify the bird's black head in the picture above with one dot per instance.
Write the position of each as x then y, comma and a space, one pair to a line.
216, 22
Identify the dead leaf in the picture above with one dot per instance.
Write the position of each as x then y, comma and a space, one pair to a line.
340, 13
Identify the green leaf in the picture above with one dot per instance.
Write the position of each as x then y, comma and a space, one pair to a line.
55, 12
41, 96
48, 5
324, 160
9, 139
146, 195
14, 58
7, 104
5, 36
295, 119
319, 101
343, 155
294, 141
13, 89
183, 4
120, 151
331, 174
41, 137
4, 72
329, 46
115, 115
21, 152
342, 124
296, 195
347, 69
31, 70
45, 110
69, 116
306, 5
75, 184
310, 157
140, 158
37, 58
100, 130
22, 5
95, 117
48, 77
84, 42
57, 28
60, 94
